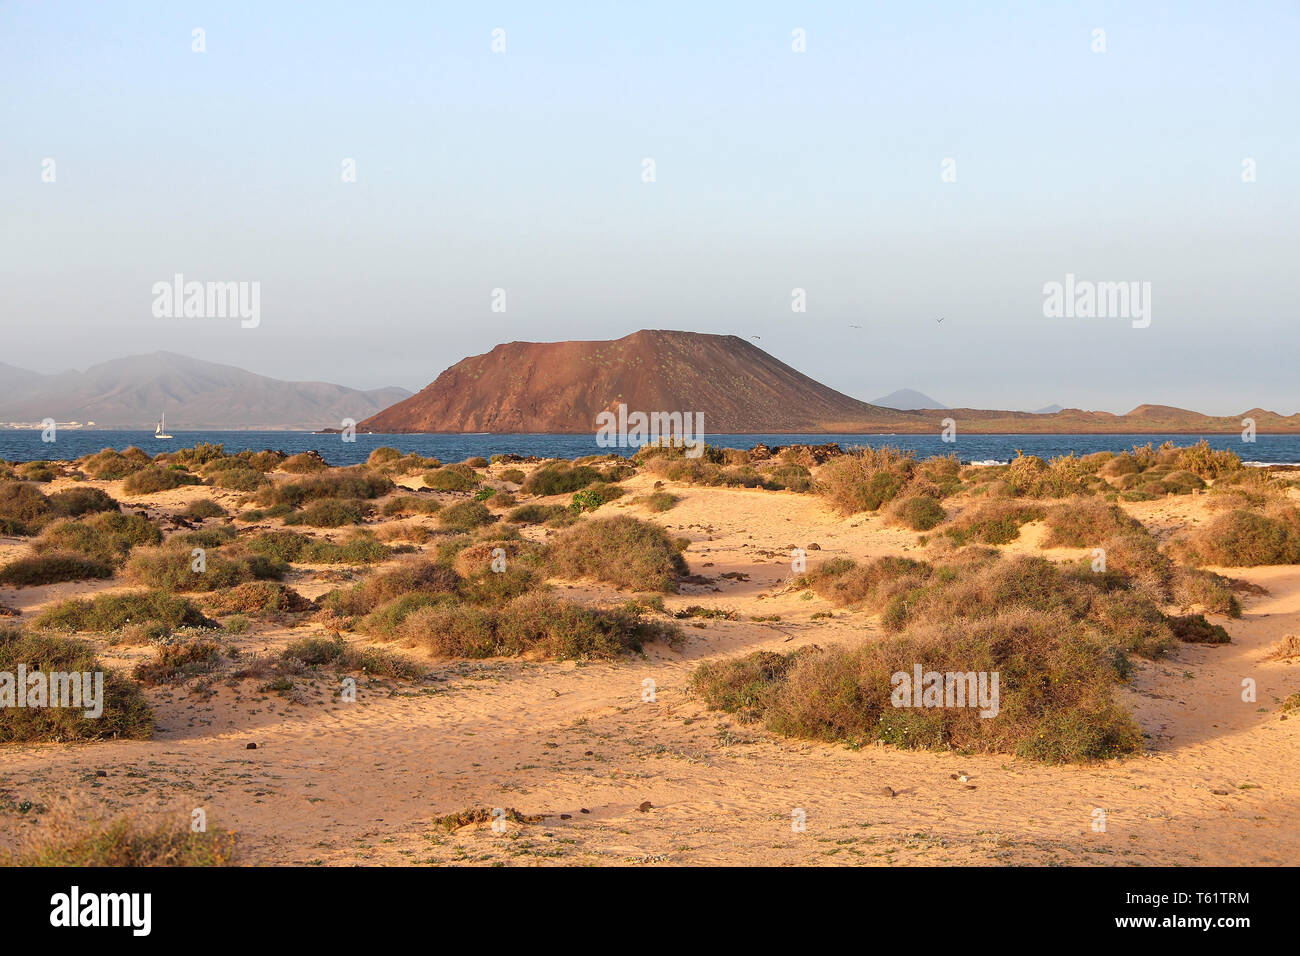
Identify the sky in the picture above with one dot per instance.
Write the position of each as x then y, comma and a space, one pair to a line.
774, 170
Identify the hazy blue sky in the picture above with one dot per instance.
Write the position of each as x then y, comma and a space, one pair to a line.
775, 170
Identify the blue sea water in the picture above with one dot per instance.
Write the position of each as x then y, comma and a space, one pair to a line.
69, 444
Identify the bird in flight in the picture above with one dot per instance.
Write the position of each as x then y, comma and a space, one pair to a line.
855, 326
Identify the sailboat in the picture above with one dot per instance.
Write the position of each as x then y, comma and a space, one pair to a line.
161, 430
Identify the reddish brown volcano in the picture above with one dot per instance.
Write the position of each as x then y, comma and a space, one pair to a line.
562, 386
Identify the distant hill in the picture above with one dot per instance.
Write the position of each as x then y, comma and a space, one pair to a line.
562, 386
1049, 409
907, 399
739, 388
131, 392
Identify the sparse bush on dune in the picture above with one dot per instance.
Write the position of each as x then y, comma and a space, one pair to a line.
179, 662
657, 501
23, 507
865, 478
1243, 539
1055, 693
75, 502
996, 521
151, 480
328, 513
307, 652
173, 568
74, 840
53, 567
39, 471
304, 463
1028, 476
532, 625
1205, 462
476, 461
110, 612
560, 478
537, 514
1123, 613
1085, 522
356, 482
622, 551
918, 512
203, 508
293, 546
1137, 557
844, 582
452, 478
196, 455
111, 465
411, 576
513, 475
383, 455
234, 474
126, 714
258, 597
465, 516
107, 537
411, 505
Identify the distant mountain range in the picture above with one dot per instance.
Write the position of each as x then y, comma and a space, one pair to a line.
131, 393
739, 388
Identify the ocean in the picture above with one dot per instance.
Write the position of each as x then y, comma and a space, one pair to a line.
27, 445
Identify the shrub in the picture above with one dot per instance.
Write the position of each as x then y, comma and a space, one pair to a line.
107, 537
178, 662
478, 461
126, 714
864, 479
658, 501
918, 512
513, 475
536, 514
304, 463
1195, 629
74, 841
258, 597
992, 522
622, 551
1244, 539
451, 478
411, 505
111, 465
110, 612
148, 481
465, 516
1085, 522
328, 513
171, 568
335, 651
413, 576
560, 478
355, 482
23, 507
74, 502
1055, 699
534, 625
202, 509
383, 455
53, 567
